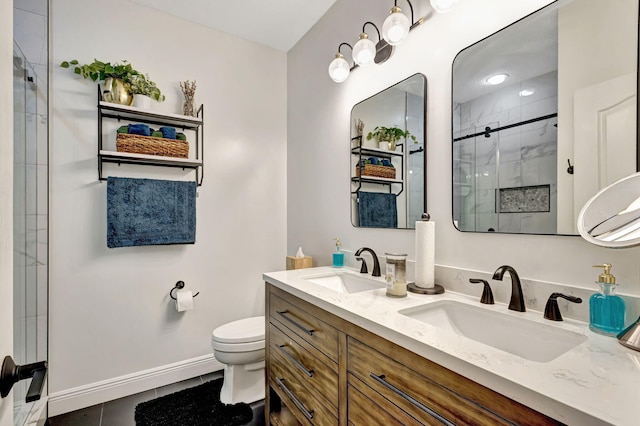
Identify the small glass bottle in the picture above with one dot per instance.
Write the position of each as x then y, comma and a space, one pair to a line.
396, 275
606, 309
338, 256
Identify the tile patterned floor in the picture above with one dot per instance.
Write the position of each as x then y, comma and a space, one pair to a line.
120, 412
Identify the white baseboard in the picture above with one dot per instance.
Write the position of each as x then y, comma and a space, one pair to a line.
95, 393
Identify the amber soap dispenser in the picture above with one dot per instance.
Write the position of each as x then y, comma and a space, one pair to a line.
606, 309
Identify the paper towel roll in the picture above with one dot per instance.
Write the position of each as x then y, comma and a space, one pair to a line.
425, 253
184, 300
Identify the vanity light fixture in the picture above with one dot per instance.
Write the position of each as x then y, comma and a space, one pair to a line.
497, 79
397, 25
339, 68
364, 51
442, 6
394, 30
526, 92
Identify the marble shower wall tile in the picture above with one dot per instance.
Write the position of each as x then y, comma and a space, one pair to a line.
30, 32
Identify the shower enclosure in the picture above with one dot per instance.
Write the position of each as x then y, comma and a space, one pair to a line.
30, 274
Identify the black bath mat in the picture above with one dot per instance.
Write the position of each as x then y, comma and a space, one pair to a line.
197, 406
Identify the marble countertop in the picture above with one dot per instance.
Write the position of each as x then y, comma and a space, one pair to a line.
597, 382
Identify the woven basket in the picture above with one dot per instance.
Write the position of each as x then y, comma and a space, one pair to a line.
376, 171
149, 145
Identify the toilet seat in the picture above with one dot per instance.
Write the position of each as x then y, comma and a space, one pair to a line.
246, 330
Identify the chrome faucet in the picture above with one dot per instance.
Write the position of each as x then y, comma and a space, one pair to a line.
376, 263
517, 301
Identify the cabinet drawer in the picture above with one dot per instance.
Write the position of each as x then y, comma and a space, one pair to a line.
320, 377
303, 404
293, 316
414, 393
364, 410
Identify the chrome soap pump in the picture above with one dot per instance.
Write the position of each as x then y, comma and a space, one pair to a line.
606, 309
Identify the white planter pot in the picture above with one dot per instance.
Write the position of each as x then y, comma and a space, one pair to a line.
383, 145
142, 102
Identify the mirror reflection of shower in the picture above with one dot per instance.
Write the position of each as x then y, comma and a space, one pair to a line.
504, 168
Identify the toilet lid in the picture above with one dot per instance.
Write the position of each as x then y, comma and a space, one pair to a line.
240, 331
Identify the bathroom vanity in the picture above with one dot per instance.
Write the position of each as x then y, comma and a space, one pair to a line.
357, 357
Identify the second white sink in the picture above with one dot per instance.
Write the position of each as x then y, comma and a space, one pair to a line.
345, 282
519, 336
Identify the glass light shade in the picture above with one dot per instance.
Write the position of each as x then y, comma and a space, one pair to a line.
442, 6
364, 51
339, 69
396, 27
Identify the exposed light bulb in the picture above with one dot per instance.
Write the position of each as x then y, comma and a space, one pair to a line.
442, 6
497, 79
364, 51
339, 68
396, 27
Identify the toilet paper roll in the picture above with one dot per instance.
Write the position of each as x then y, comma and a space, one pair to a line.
425, 253
184, 300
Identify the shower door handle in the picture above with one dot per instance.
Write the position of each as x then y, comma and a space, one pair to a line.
10, 374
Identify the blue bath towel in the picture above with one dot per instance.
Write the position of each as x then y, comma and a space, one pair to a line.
143, 212
168, 132
377, 210
139, 129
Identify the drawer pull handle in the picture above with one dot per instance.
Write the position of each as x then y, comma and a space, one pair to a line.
381, 379
308, 414
301, 327
304, 369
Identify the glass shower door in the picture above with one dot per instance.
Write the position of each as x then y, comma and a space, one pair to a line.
30, 292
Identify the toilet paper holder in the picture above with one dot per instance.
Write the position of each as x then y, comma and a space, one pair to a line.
179, 285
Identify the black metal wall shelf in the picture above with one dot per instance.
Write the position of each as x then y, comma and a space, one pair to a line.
107, 110
361, 151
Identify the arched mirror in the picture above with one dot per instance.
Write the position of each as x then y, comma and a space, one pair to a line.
388, 157
544, 116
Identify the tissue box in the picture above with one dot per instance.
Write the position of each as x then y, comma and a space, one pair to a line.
299, 262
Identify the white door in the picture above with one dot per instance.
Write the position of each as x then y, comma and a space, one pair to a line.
6, 198
604, 136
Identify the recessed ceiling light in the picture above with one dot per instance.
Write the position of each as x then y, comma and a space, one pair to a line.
497, 79
527, 92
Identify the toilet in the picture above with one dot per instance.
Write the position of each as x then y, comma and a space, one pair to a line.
240, 346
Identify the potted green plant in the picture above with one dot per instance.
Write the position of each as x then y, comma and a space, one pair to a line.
144, 90
118, 79
390, 135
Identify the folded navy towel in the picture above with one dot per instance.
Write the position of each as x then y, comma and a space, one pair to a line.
139, 129
377, 210
168, 132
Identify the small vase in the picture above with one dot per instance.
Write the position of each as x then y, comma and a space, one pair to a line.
187, 109
117, 91
392, 145
141, 101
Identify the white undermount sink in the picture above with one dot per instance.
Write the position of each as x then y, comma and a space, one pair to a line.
345, 282
518, 336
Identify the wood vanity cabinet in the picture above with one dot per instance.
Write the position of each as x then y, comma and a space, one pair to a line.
323, 370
